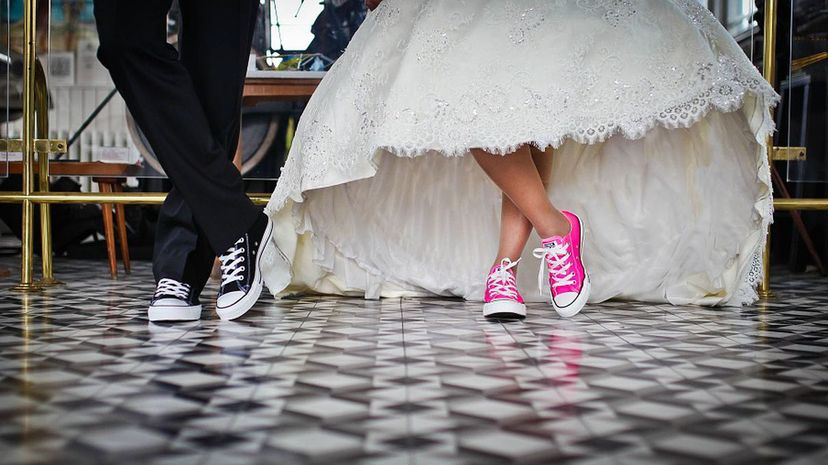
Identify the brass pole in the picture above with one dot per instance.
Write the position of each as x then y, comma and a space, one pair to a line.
126, 198
769, 72
29, 17
800, 204
157, 198
42, 109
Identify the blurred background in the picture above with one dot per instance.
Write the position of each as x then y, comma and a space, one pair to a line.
304, 38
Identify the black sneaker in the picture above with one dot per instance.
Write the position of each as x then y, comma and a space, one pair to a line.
174, 301
241, 272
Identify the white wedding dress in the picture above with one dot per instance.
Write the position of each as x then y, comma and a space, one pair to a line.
657, 118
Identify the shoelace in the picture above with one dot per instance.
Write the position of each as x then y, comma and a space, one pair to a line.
502, 280
231, 267
556, 258
172, 287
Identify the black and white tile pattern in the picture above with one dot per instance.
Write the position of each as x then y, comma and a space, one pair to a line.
85, 378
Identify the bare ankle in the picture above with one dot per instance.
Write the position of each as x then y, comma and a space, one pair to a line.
557, 226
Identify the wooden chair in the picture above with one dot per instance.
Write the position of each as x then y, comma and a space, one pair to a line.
107, 185
111, 178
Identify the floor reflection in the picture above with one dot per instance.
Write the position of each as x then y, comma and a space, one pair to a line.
85, 378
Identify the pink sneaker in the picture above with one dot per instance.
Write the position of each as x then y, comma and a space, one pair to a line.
502, 297
568, 280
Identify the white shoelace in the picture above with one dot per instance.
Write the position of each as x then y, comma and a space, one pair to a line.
231, 267
556, 259
172, 287
502, 280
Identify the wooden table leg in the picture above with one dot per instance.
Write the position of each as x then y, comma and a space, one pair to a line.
120, 218
109, 231
237, 157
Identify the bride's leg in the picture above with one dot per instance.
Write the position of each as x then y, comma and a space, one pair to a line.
543, 162
514, 231
515, 228
519, 179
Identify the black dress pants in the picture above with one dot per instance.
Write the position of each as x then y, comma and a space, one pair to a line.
188, 105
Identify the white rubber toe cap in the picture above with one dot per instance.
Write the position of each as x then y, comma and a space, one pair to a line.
170, 302
570, 303
229, 299
235, 304
565, 299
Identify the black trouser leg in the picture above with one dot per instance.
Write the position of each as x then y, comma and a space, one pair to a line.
188, 107
181, 250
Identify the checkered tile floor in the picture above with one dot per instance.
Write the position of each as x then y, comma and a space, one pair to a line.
85, 378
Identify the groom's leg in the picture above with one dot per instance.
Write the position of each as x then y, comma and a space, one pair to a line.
214, 50
215, 45
181, 251
161, 95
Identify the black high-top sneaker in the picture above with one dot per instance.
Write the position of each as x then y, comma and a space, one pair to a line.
174, 301
241, 271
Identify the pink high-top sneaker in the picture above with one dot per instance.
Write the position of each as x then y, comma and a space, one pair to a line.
568, 280
502, 297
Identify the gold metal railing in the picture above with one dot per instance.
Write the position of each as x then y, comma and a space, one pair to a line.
28, 149
126, 198
35, 116
41, 101
769, 67
769, 72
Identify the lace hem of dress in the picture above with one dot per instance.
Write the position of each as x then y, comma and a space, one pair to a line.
746, 293
723, 97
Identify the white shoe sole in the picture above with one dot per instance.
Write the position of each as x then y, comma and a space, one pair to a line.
174, 313
504, 309
247, 302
